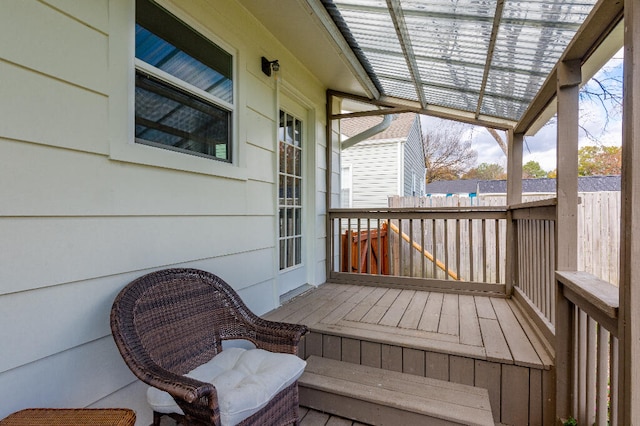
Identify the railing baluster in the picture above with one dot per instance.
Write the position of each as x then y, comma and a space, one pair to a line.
423, 263
349, 244
471, 248
434, 245
602, 390
497, 225
380, 257
614, 381
389, 257
359, 251
484, 250
446, 250
582, 368
410, 245
591, 371
458, 251
400, 257
369, 248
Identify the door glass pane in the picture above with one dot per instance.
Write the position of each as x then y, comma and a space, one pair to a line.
290, 183
297, 160
298, 249
282, 255
298, 222
298, 133
282, 221
290, 253
297, 189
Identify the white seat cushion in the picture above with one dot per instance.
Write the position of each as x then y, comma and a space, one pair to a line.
245, 380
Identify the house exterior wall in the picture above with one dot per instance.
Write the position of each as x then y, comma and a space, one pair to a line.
85, 210
414, 165
375, 171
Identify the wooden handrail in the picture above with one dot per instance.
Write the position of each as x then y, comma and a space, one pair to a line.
598, 298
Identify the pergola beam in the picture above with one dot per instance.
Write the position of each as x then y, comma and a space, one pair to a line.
392, 107
395, 10
497, 17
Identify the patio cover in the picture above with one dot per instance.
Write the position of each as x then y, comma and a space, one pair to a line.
490, 62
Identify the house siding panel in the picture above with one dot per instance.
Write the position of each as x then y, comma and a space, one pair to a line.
38, 114
79, 219
414, 162
41, 38
374, 173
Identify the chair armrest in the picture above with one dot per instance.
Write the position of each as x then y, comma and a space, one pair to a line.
182, 387
277, 336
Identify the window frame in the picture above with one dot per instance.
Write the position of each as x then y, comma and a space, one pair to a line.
174, 83
167, 27
121, 107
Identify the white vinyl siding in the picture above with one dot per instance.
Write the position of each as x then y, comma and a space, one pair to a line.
85, 210
414, 167
375, 172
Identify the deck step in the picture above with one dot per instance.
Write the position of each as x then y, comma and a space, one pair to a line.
382, 397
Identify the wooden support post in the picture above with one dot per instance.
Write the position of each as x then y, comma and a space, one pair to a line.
332, 139
514, 196
629, 314
569, 76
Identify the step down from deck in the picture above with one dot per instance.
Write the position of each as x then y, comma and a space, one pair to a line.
382, 397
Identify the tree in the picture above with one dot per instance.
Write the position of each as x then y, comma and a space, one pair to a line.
486, 171
447, 153
599, 160
532, 170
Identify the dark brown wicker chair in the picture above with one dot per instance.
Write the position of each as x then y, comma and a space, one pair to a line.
167, 323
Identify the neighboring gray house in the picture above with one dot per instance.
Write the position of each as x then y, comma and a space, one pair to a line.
390, 162
475, 187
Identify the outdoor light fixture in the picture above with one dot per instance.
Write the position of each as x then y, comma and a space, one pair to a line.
268, 65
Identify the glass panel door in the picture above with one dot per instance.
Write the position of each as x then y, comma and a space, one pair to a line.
290, 190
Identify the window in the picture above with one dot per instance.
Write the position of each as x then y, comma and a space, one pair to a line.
290, 190
184, 87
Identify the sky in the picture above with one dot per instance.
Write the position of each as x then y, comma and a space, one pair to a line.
542, 146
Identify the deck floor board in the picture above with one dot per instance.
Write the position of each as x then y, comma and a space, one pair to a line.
478, 327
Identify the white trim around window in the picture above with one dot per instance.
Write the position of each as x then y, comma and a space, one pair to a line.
122, 146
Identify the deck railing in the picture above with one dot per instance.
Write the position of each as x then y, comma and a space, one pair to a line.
438, 248
535, 260
587, 368
464, 249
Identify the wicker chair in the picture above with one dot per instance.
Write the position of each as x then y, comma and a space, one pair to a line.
167, 323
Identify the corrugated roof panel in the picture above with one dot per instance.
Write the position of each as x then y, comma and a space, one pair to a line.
513, 86
447, 44
451, 75
451, 98
399, 89
390, 66
502, 107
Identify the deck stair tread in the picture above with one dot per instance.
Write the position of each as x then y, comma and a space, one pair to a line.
424, 400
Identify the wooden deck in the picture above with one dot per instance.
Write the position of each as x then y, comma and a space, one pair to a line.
474, 340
